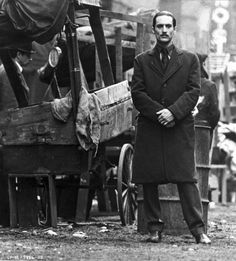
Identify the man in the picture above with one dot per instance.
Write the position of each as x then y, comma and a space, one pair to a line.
208, 107
165, 88
22, 57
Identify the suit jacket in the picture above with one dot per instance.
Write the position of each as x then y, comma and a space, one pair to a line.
163, 154
7, 96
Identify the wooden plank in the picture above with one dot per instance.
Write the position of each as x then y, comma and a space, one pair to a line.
126, 32
116, 120
32, 113
125, 17
23, 159
119, 61
82, 202
52, 200
73, 58
90, 39
12, 202
104, 59
83, 193
120, 16
147, 40
113, 94
98, 73
139, 39
32, 126
89, 2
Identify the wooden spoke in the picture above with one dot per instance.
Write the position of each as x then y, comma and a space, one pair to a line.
127, 193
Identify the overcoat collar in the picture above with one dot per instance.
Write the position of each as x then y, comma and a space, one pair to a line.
174, 65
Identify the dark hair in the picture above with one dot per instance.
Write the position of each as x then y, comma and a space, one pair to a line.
160, 13
13, 53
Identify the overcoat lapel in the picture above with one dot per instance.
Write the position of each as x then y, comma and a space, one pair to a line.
155, 62
174, 65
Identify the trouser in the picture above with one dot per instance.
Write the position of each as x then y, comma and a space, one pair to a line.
191, 206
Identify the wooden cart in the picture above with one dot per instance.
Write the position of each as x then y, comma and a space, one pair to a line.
37, 147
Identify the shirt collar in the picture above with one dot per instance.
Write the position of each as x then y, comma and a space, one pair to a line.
170, 48
19, 66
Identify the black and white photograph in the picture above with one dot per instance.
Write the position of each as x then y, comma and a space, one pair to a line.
118, 130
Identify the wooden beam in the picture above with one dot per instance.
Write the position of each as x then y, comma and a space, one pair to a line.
139, 38
98, 73
90, 39
119, 62
90, 2
73, 58
120, 16
52, 200
147, 39
109, 27
105, 63
82, 210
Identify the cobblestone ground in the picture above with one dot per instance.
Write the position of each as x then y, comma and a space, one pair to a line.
105, 239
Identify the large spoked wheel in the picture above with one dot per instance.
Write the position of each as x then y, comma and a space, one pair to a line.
127, 192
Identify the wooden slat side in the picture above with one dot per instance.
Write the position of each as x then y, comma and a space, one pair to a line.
19, 116
114, 93
116, 120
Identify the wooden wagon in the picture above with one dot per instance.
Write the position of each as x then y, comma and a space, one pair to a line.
37, 146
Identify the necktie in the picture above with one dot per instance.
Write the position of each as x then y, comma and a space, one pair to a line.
164, 57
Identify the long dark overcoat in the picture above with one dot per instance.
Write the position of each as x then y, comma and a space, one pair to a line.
162, 154
208, 109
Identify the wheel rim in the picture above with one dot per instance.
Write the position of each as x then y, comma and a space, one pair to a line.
127, 193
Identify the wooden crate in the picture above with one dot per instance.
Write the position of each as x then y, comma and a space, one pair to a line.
36, 124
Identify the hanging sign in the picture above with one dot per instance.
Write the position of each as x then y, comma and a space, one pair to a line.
220, 15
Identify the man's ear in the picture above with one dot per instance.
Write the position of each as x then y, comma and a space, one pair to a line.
18, 54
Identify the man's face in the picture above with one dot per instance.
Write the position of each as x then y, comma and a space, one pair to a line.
164, 29
24, 58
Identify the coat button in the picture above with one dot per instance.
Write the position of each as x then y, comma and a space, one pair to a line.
165, 85
162, 101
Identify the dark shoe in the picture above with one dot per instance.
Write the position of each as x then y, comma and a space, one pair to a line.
203, 239
155, 237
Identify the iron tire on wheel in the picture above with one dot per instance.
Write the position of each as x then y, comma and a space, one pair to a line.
127, 193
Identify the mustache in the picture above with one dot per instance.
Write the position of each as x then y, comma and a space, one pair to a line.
164, 34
